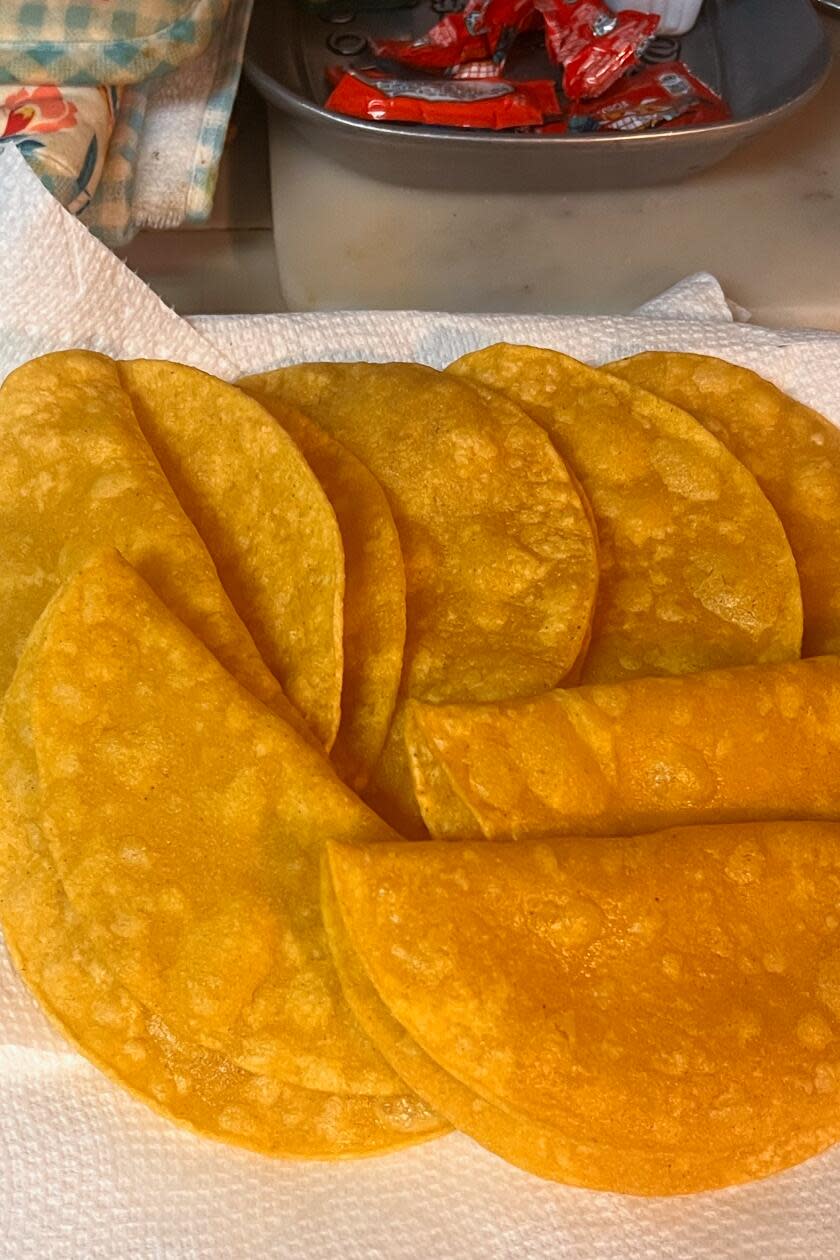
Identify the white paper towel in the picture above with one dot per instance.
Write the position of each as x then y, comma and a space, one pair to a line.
59, 286
86, 1172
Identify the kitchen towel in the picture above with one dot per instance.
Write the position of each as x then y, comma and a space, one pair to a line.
163, 163
87, 1173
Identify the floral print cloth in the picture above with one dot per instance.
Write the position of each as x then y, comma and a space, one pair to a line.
63, 133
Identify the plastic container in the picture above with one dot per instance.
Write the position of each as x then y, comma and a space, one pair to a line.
678, 16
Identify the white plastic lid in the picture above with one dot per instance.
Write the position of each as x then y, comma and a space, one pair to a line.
678, 16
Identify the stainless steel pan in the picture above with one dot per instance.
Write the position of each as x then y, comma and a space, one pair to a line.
767, 57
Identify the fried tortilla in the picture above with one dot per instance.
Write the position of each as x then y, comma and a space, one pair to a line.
761, 742
374, 592
186, 822
792, 451
696, 571
655, 1015
76, 474
263, 517
185, 1082
500, 559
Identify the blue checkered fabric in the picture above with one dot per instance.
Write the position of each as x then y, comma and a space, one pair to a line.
102, 41
211, 139
109, 214
151, 121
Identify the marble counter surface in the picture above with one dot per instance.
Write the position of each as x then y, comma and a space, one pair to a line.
766, 222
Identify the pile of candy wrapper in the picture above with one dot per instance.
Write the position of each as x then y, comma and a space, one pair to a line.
454, 74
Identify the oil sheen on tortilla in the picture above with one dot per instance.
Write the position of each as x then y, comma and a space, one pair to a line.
186, 822
500, 559
263, 517
760, 742
76, 474
793, 452
657, 1012
374, 592
696, 571
185, 1082
521, 1141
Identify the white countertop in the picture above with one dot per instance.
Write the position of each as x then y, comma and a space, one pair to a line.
226, 266
766, 222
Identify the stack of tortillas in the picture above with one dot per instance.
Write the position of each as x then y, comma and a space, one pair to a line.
385, 750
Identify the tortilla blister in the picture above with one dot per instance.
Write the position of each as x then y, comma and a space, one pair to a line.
186, 822
500, 559
793, 452
264, 518
187, 1083
761, 742
374, 592
657, 1015
696, 571
77, 475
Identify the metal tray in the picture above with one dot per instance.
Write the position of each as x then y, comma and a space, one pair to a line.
766, 57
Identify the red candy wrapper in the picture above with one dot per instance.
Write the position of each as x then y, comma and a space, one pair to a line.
448, 43
664, 95
494, 104
474, 70
484, 31
594, 46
